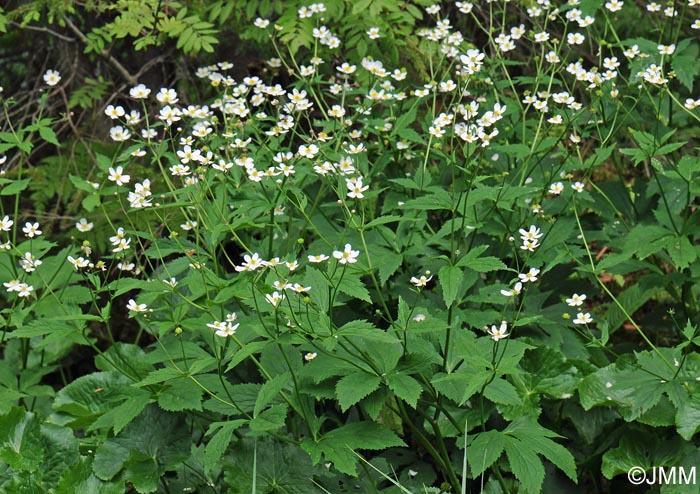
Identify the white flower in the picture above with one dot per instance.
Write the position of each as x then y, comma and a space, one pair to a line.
308, 151
530, 276
346, 68
666, 49
251, 263
52, 77
583, 318
530, 245
24, 290
31, 230
6, 224
189, 225
614, 5
133, 306
578, 186
347, 256
514, 291
114, 112
498, 333
356, 187
117, 175
274, 298
576, 300
310, 356
556, 188
139, 91
532, 234
167, 96
318, 258
119, 133
79, 262
29, 262
83, 226
12, 285
261, 23
224, 328
421, 281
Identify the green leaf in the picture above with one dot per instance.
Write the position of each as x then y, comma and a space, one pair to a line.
525, 465
159, 376
48, 135
639, 448
484, 450
15, 187
120, 416
270, 390
181, 394
502, 392
634, 392
405, 387
109, 459
142, 471
353, 387
20, 441
460, 386
688, 417
481, 264
217, 445
352, 285
450, 279
338, 446
84, 399
156, 434
686, 67
537, 438
366, 330
79, 478
271, 419
682, 252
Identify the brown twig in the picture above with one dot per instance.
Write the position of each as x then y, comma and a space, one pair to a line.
44, 30
116, 65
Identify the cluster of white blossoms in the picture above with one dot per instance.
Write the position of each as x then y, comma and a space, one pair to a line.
355, 187
226, 327
577, 300
254, 262
140, 197
22, 289
29, 263
530, 238
506, 42
119, 241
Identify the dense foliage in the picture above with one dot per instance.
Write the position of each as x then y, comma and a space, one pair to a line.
352, 246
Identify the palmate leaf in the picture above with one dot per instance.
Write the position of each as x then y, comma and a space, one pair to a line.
80, 479
160, 436
338, 446
405, 387
523, 441
637, 448
181, 394
688, 417
352, 388
20, 440
280, 467
221, 434
633, 388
